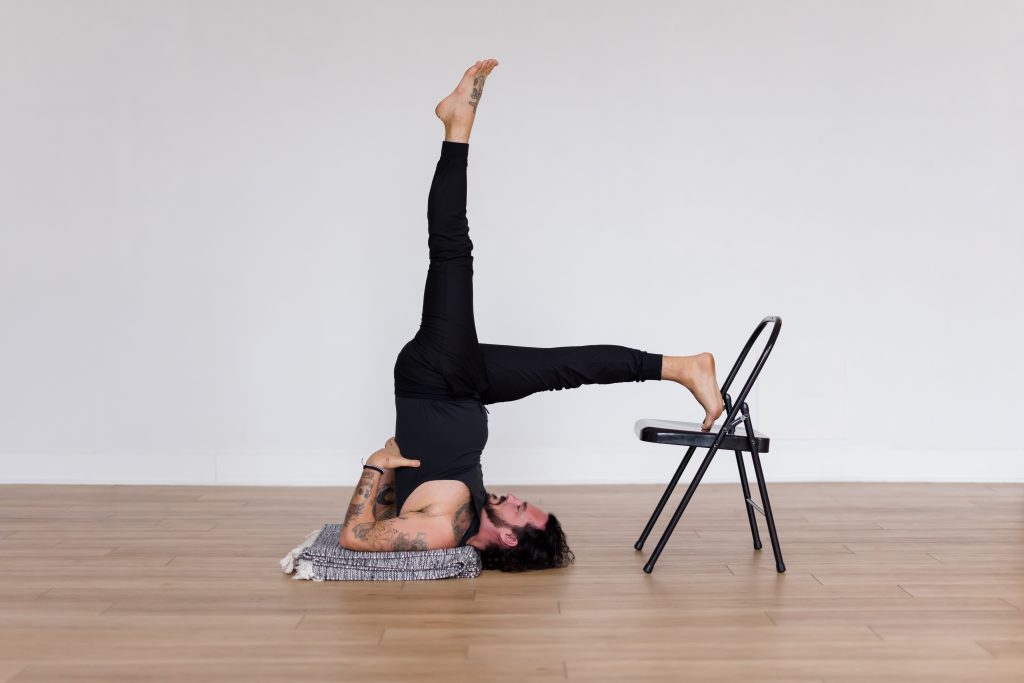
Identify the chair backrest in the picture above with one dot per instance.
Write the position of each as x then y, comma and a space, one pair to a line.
776, 323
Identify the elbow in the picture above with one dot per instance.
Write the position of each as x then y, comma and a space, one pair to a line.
347, 541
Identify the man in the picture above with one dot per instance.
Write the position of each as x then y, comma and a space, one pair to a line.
425, 488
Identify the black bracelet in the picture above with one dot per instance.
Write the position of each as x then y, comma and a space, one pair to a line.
374, 467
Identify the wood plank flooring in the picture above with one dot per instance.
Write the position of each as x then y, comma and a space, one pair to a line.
885, 582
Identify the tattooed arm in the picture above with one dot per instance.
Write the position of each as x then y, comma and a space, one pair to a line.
360, 508
384, 501
364, 530
428, 529
412, 531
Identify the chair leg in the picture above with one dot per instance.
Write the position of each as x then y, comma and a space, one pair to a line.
746, 499
763, 488
649, 567
639, 545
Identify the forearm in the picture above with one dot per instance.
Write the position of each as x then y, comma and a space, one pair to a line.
360, 508
363, 531
384, 501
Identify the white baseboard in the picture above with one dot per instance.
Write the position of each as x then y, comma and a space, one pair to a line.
638, 464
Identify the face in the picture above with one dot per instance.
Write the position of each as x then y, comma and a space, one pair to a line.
508, 510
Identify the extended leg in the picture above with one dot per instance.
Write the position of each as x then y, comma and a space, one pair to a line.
448, 325
444, 355
514, 372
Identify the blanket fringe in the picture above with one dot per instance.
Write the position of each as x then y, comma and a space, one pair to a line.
288, 561
305, 571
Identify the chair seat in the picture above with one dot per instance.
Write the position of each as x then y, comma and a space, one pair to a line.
689, 434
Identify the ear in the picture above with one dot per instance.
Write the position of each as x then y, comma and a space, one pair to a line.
508, 537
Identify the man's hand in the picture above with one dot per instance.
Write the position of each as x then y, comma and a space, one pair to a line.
384, 502
390, 457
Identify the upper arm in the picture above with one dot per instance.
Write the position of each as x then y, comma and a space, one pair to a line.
408, 532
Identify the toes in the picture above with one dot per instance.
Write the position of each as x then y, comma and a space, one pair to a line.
482, 67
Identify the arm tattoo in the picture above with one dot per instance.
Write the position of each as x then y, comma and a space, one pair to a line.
384, 505
362, 494
354, 510
365, 485
361, 531
462, 519
386, 495
386, 537
370, 515
403, 542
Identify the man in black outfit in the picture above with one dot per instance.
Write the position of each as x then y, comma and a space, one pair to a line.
425, 488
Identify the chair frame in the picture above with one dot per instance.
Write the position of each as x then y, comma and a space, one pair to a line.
736, 412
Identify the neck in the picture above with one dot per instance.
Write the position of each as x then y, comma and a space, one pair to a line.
483, 539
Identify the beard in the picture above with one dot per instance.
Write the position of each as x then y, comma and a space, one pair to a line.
492, 513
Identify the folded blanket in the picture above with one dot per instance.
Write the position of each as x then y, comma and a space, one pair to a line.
320, 558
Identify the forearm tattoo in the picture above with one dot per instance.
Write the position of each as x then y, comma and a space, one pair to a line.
386, 537
384, 505
360, 497
379, 534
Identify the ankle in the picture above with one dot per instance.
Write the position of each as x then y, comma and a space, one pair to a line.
457, 133
676, 369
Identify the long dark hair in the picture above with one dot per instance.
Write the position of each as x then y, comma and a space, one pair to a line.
537, 549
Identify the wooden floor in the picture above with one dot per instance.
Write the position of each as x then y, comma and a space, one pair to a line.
885, 582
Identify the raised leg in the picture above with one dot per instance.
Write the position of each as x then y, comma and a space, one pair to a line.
448, 326
514, 372
444, 355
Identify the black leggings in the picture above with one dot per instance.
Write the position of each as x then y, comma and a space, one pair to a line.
446, 361
444, 376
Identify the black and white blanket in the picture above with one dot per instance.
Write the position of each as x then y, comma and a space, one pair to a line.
320, 558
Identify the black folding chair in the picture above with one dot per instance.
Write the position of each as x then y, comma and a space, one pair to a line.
732, 436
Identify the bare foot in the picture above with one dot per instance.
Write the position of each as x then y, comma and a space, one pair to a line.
697, 373
458, 110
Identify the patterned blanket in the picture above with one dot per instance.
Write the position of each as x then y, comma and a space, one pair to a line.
320, 558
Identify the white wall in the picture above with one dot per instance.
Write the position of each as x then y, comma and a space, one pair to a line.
214, 236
